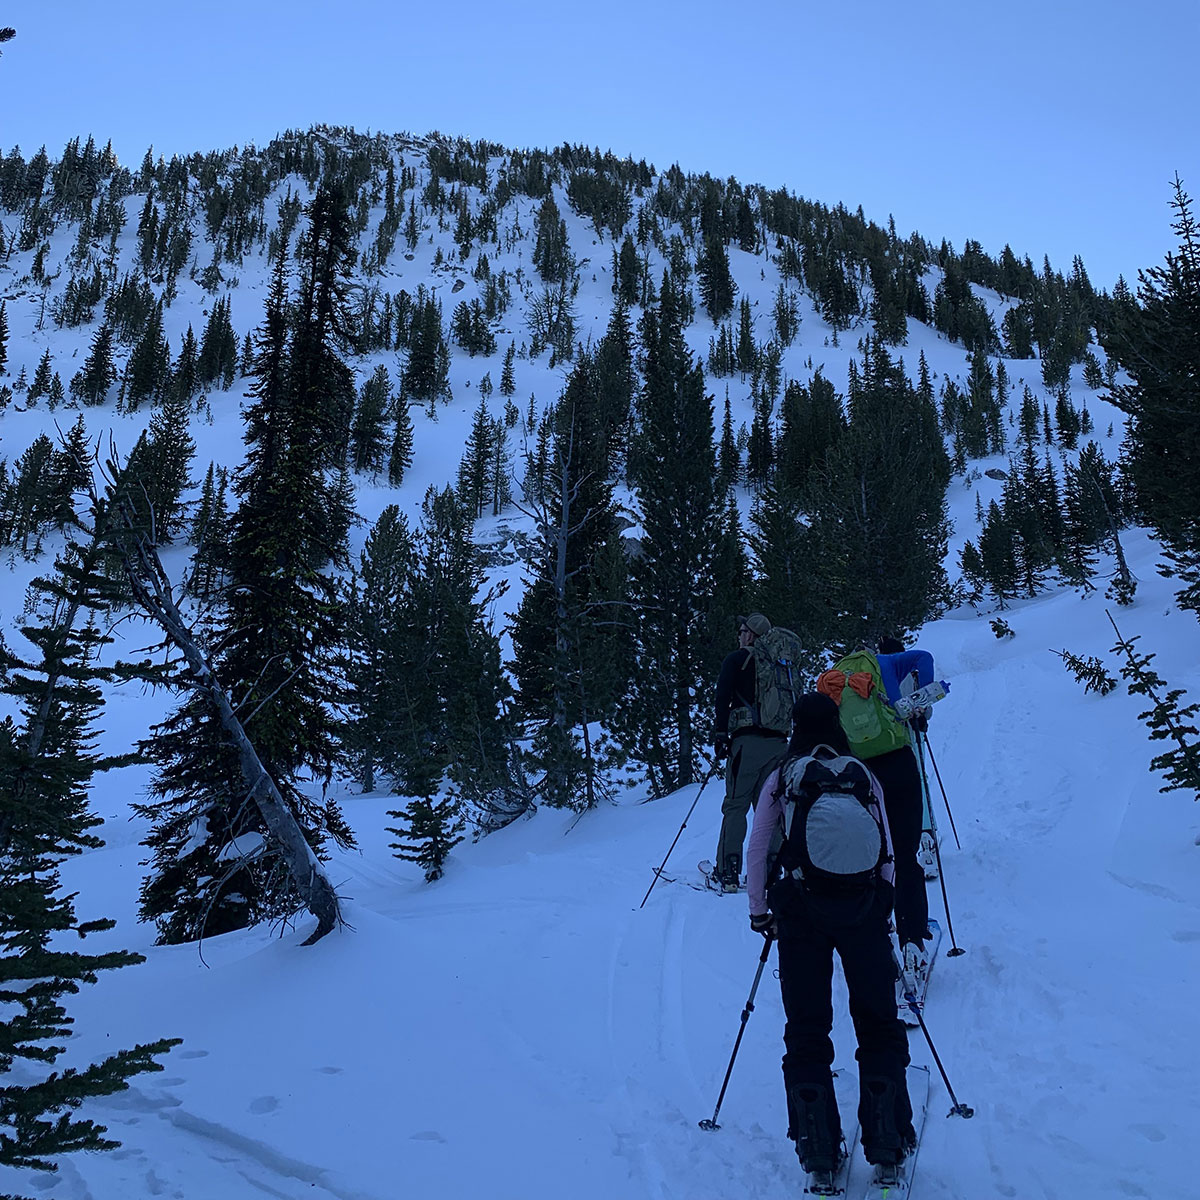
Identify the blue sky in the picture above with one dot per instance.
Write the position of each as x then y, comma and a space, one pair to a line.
1054, 127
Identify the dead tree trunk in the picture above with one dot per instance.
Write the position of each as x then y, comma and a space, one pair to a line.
152, 591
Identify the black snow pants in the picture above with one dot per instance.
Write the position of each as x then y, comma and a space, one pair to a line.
810, 930
900, 777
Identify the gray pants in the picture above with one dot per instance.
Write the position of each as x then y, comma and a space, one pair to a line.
749, 759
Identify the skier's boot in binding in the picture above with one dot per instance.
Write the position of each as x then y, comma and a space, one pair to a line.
927, 855
814, 1126
883, 1144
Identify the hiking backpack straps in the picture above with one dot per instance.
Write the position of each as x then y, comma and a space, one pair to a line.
856, 687
833, 837
777, 683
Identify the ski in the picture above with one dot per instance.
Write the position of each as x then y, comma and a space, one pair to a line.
696, 887
903, 1003
895, 1183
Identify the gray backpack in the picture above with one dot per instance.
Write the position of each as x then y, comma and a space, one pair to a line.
833, 839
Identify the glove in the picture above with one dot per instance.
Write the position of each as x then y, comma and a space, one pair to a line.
721, 746
763, 923
920, 720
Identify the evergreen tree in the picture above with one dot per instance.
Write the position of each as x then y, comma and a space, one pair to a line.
508, 382
368, 442
3, 337
812, 421
92, 381
427, 372
217, 360
1167, 719
1157, 342
185, 373
159, 465
552, 250
42, 378
379, 654
879, 515
209, 534
672, 464
717, 288
149, 367
400, 456
567, 630
213, 858
434, 828
47, 761
473, 491
998, 554
627, 273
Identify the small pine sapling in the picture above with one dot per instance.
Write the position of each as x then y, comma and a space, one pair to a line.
1002, 629
1167, 718
1089, 671
434, 829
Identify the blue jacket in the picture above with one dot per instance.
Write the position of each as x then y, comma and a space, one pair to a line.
893, 668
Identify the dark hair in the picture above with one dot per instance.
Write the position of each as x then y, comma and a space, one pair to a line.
890, 645
815, 722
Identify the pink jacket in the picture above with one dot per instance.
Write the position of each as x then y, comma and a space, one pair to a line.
768, 817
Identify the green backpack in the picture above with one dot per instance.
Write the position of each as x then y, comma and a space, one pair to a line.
777, 683
870, 725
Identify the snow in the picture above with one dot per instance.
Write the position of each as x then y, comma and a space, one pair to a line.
521, 1030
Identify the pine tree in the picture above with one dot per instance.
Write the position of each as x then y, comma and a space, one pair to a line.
717, 289
1157, 341
3, 337
379, 652
185, 373
878, 515
209, 534
47, 761
159, 465
434, 829
508, 383
567, 632
472, 489
282, 634
400, 456
217, 360
552, 250
368, 443
147, 375
1167, 718
672, 464
42, 378
92, 381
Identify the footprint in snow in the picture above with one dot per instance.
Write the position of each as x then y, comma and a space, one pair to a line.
427, 1135
264, 1104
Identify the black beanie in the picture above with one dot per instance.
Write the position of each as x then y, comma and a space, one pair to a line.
890, 645
815, 721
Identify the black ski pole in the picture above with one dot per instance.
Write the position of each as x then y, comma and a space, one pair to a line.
712, 770
762, 962
925, 739
959, 1110
955, 949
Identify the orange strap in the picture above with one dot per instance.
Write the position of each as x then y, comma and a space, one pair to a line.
862, 682
831, 684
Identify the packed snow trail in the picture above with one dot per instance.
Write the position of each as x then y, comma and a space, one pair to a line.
521, 1030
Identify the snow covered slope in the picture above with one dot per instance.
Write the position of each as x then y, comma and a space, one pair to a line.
521, 1031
